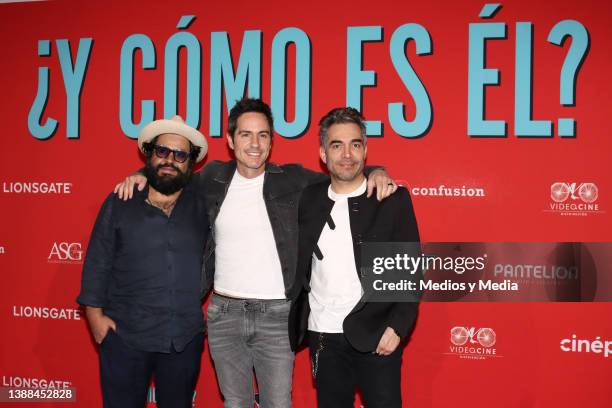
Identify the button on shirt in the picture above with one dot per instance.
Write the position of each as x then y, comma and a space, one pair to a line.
143, 268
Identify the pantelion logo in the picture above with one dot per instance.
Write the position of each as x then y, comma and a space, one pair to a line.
574, 199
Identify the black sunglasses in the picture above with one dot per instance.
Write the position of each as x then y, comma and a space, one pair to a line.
163, 152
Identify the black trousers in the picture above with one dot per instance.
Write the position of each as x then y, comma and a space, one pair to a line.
338, 369
125, 374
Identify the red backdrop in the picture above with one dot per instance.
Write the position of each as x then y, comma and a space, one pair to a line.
44, 234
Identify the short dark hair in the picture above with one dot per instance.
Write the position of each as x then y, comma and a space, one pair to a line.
246, 105
194, 151
340, 115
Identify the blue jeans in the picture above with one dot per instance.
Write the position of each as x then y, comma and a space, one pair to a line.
125, 374
246, 335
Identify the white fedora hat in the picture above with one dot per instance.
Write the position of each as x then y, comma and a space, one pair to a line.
176, 125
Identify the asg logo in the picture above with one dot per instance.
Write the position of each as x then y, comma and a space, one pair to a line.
472, 343
577, 199
66, 252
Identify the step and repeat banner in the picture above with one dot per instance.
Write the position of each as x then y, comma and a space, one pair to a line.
493, 115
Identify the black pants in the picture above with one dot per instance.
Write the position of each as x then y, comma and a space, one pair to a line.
338, 369
125, 374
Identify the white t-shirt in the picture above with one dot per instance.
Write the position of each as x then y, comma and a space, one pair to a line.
335, 288
246, 259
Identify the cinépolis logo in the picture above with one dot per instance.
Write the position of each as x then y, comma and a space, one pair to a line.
472, 343
595, 346
46, 312
36, 187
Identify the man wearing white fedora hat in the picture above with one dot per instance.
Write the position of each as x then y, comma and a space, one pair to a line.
141, 276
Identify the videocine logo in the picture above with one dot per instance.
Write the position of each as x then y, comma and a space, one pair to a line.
574, 199
471, 343
66, 252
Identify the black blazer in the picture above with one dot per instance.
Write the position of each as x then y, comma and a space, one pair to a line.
391, 220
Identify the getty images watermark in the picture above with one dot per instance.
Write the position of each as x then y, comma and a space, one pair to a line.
478, 271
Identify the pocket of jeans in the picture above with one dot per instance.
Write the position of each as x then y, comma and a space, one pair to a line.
109, 333
213, 312
280, 311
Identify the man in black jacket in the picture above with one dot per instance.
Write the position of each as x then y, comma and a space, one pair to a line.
352, 342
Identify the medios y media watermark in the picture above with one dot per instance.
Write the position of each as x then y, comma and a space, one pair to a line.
473, 271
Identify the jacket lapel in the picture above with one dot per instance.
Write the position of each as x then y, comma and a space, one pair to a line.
222, 179
313, 220
362, 211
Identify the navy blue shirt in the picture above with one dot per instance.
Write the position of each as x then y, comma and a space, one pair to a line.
143, 268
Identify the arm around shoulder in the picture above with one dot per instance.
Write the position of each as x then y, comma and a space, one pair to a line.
306, 176
201, 179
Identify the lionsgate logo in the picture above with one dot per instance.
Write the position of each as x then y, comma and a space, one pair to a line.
574, 199
473, 343
36, 187
66, 253
444, 191
33, 382
46, 312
